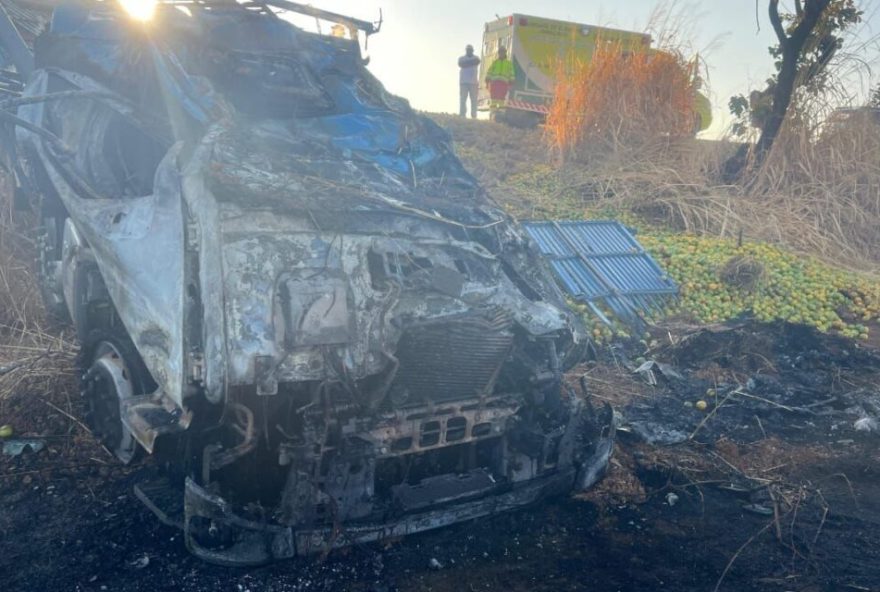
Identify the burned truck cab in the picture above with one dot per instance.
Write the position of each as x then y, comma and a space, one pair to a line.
287, 286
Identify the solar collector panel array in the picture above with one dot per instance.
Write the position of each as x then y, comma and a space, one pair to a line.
601, 264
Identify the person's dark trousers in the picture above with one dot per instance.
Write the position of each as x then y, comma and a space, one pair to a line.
468, 90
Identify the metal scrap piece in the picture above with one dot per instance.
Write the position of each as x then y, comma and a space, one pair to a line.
601, 264
18, 446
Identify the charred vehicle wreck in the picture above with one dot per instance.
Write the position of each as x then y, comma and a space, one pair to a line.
287, 287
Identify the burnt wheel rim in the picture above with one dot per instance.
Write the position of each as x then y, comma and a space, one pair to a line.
107, 385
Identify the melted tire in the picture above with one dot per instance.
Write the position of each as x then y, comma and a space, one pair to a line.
109, 359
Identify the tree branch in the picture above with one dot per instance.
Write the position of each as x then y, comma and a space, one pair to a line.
812, 13
815, 8
776, 21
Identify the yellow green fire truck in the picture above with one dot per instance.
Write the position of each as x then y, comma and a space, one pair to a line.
535, 45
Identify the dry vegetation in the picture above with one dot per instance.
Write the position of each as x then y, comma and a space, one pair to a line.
618, 98
823, 188
36, 360
616, 147
818, 193
622, 126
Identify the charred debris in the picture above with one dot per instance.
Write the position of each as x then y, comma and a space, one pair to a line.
285, 284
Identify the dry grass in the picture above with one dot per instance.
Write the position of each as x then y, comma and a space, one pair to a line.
818, 193
36, 359
20, 307
622, 125
493, 151
830, 181
620, 98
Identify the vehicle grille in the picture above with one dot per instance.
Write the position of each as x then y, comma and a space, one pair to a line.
450, 359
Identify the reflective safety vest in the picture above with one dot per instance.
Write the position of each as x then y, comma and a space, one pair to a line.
501, 70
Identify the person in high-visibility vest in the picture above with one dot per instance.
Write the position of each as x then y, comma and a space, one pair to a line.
500, 78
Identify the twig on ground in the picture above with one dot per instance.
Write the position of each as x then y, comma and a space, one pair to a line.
760, 425
773, 468
739, 471
738, 552
852, 492
711, 414
794, 550
774, 403
819, 530
775, 514
69, 416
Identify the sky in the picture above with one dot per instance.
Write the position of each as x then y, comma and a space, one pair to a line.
415, 53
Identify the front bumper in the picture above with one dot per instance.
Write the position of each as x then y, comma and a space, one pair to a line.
256, 543
249, 541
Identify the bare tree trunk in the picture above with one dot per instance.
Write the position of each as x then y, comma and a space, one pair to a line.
809, 12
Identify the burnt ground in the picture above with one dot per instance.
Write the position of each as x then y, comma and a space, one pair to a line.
771, 483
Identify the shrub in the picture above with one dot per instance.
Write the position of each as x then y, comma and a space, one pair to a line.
620, 99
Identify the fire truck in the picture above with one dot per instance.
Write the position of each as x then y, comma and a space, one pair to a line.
536, 45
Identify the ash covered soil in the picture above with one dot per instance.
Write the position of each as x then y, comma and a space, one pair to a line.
770, 487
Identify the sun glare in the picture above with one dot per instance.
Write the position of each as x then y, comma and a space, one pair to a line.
141, 10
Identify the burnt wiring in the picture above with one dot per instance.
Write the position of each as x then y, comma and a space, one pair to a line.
243, 425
